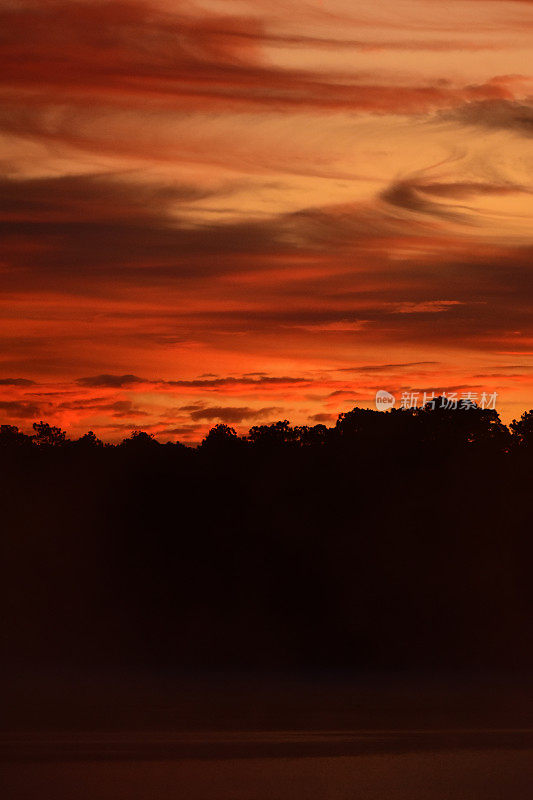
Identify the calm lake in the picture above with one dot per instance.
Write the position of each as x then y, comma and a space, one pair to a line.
167, 736
430, 765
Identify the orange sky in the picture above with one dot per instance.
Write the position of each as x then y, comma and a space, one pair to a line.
247, 210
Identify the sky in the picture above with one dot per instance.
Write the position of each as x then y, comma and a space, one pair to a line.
241, 211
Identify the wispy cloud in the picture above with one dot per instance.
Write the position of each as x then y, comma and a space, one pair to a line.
209, 212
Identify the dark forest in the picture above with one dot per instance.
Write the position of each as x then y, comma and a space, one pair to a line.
392, 540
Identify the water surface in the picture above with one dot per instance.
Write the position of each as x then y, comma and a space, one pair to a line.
291, 765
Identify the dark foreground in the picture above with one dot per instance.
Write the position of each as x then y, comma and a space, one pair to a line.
155, 594
237, 738
319, 766
392, 541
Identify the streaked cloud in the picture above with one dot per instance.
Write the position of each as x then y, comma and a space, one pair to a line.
220, 208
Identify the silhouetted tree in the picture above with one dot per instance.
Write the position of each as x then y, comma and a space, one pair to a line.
273, 435
11, 437
48, 436
221, 437
311, 436
89, 440
522, 430
360, 422
463, 424
139, 441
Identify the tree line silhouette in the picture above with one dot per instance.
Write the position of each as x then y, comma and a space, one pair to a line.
398, 539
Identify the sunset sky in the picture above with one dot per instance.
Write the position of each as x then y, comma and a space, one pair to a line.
248, 210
